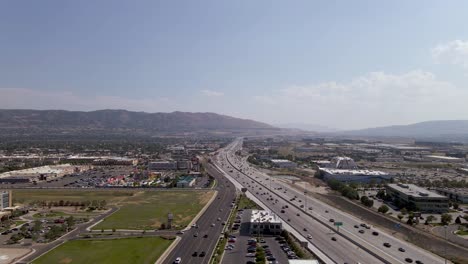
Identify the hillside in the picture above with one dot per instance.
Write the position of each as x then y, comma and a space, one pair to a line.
122, 120
429, 129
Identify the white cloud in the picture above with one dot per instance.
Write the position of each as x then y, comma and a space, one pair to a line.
20, 98
452, 52
212, 93
373, 99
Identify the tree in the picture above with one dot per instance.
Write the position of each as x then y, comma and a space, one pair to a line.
404, 211
383, 209
410, 221
455, 206
400, 216
429, 219
366, 201
458, 220
446, 219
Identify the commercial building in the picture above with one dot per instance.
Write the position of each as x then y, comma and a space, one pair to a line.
283, 163
344, 169
263, 222
363, 176
438, 158
162, 165
456, 194
412, 196
343, 163
186, 181
5, 199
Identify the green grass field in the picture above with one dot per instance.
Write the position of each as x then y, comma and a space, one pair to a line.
145, 250
150, 209
138, 209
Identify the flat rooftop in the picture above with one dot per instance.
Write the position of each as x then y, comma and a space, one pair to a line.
280, 160
414, 190
443, 157
354, 172
264, 216
459, 191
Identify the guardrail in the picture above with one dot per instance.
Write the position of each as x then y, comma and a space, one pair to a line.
316, 219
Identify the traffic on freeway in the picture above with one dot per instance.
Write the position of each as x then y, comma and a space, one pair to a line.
355, 242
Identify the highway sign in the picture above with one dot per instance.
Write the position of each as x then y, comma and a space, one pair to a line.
338, 223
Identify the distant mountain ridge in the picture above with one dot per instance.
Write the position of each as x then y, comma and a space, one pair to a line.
438, 128
122, 120
307, 127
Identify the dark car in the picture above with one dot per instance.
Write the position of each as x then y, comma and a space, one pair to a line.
401, 249
356, 226
361, 231
205, 236
375, 233
386, 244
202, 254
195, 254
419, 262
332, 220
333, 238
408, 260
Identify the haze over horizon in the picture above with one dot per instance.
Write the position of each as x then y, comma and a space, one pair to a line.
344, 65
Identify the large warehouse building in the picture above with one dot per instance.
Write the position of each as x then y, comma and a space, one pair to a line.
410, 195
344, 169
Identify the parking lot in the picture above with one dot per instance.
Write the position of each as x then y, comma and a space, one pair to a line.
242, 246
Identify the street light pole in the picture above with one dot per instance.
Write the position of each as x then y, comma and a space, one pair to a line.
305, 198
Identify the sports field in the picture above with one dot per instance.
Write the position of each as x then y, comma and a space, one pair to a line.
138, 210
145, 250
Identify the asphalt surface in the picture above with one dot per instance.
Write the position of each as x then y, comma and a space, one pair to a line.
41, 249
220, 208
317, 221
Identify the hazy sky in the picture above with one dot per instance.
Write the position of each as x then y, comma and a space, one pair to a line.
343, 64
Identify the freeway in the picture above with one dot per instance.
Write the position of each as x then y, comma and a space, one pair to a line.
354, 243
219, 209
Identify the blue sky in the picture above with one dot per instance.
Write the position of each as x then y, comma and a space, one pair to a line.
343, 64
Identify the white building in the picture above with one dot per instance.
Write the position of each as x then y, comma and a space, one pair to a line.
438, 158
355, 175
265, 223
5, 199
411, 195
283, 163
345, 163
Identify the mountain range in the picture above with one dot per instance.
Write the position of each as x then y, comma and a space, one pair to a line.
428, 129
122, 120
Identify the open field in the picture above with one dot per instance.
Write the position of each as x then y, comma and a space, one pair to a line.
149, 210
144, 250
137, 209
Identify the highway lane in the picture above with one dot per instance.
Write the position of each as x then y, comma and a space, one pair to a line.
338, 250
220, 208
325, 212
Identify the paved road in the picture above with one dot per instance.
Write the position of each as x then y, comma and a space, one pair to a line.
341, 250
41, 249
220, 208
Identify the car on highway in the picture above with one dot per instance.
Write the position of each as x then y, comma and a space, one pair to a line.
419, 262
401, 249
178, 260
309, 236
375, 233
332, 220
195, 254
356, 226
282, 211
386, 244
298, 214
205, 236
195, 234
305, 229
409, 260
202, 254
333, 238
361, 231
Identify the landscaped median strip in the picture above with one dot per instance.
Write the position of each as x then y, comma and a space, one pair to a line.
223, 239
